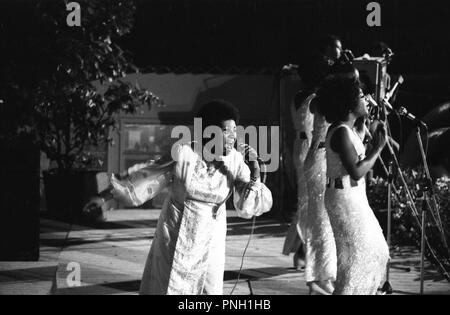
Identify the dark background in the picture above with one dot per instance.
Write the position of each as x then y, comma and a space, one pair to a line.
201, 34
274, 32
205, 36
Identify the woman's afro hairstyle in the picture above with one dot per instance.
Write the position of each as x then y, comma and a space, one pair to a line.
337, 97
214, 112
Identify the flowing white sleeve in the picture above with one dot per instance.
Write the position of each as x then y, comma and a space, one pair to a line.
250, 198
143, 183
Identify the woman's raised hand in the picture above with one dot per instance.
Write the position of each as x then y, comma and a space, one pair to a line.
380, 136
249, 153
251, 156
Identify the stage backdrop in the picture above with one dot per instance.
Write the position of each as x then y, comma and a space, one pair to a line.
262, 99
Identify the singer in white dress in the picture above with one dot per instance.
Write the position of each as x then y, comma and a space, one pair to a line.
303, 122
362, 251
187, 255
320, 258
327, 53
188, 250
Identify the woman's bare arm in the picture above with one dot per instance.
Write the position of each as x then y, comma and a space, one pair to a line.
342, 144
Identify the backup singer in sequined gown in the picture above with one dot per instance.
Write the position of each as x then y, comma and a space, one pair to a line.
302, 119
312, 72
362, 252
320, 269
187, 255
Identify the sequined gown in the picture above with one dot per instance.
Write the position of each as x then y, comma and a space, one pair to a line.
187, 255
320, 246
303, 123
362, 252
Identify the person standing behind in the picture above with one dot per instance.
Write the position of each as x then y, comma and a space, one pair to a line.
302, 119
312, 71
320, 253
320, 256
362, 252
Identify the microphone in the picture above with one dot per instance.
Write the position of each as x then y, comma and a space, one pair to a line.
404, 112
243, 149
375, 104
401, 111
371, 101
290, 67
346, 56
389, 94
348, 53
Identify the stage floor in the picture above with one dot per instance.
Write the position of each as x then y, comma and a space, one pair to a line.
111, 259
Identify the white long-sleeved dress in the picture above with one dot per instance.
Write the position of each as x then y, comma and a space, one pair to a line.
187, 256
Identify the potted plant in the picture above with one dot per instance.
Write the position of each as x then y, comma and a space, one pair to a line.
76, 91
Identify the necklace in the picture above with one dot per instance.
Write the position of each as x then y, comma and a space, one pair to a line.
205, 168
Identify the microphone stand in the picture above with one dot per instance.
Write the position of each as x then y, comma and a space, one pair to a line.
397, 165
281, 136
422, 246
428, 189
429, 194
387, 287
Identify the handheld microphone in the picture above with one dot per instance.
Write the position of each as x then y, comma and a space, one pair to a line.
347, 56
375, 104
349, 53
404, 112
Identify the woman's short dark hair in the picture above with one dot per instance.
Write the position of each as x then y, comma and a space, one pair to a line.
350, 71
214, 112
342, 69
327, 41
337, 97
379, 49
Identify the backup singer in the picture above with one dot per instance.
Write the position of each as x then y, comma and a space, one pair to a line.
302, 119
320, 268
312, 71
320, 258
187, 255
362, 252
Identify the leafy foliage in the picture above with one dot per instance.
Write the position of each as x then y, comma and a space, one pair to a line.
68, 90
406, 228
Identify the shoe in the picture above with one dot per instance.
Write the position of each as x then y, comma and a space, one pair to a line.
315, 289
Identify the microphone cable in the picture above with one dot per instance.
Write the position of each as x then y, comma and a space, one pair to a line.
263, 181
